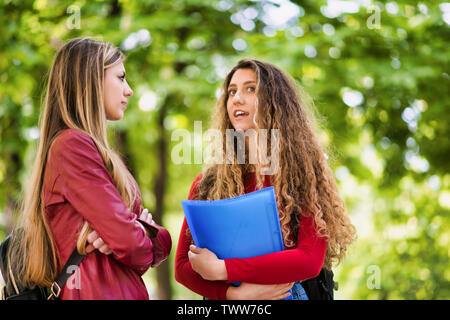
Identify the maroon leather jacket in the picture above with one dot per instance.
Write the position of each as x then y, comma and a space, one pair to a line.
78, 187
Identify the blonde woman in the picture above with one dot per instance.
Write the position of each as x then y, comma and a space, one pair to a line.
316, 231
81, 194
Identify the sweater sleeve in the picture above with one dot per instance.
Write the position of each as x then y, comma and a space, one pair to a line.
301, 263
89, 188
184, 273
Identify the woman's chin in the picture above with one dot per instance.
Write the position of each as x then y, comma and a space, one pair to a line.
115, 117
243, 127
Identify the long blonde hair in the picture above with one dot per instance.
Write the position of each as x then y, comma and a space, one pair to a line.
74, 99
304, 179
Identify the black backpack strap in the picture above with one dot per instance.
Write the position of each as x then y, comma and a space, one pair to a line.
320, 287
3, 257
69, 268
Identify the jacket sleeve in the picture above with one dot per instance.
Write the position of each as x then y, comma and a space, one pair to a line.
184, 273
162, 242
89, 188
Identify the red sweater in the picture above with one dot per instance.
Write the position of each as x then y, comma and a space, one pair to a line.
303, 262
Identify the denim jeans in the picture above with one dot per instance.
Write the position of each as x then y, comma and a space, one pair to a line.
298, 292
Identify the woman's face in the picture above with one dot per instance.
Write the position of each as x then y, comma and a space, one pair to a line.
116, 92
241, 103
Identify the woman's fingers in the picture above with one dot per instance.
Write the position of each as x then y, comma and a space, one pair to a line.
251, 291
89, 248
98, 243
95, 242
105, 249
195, 249
282, 290
191, 255
146, 216
92, 236
285, 289
281, 297
143, 214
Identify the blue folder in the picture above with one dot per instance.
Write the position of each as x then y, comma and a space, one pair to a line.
241, 227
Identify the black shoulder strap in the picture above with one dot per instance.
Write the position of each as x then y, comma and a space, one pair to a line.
69, 268
4, 257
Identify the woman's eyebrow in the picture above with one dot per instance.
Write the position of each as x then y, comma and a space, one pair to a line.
246, 82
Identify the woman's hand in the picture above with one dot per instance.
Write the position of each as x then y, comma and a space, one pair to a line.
147, 218
95, 242
206, 264
253, 291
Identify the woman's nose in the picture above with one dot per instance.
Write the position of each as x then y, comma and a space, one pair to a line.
128, 91
238, 97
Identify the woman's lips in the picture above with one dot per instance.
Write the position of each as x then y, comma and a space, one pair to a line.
240, 114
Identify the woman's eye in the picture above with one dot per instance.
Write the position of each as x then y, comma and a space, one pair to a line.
231, 92
251, 89
122, 78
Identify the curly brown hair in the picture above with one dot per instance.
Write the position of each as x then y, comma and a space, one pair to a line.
304, 183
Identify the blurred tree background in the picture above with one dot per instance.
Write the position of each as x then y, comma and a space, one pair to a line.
377, 71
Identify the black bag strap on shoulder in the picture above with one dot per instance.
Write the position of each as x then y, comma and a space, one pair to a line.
69, 268
38, 293
321, 287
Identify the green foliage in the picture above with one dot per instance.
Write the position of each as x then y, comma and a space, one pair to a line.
380, 85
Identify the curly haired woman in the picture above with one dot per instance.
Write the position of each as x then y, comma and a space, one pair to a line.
316, 231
